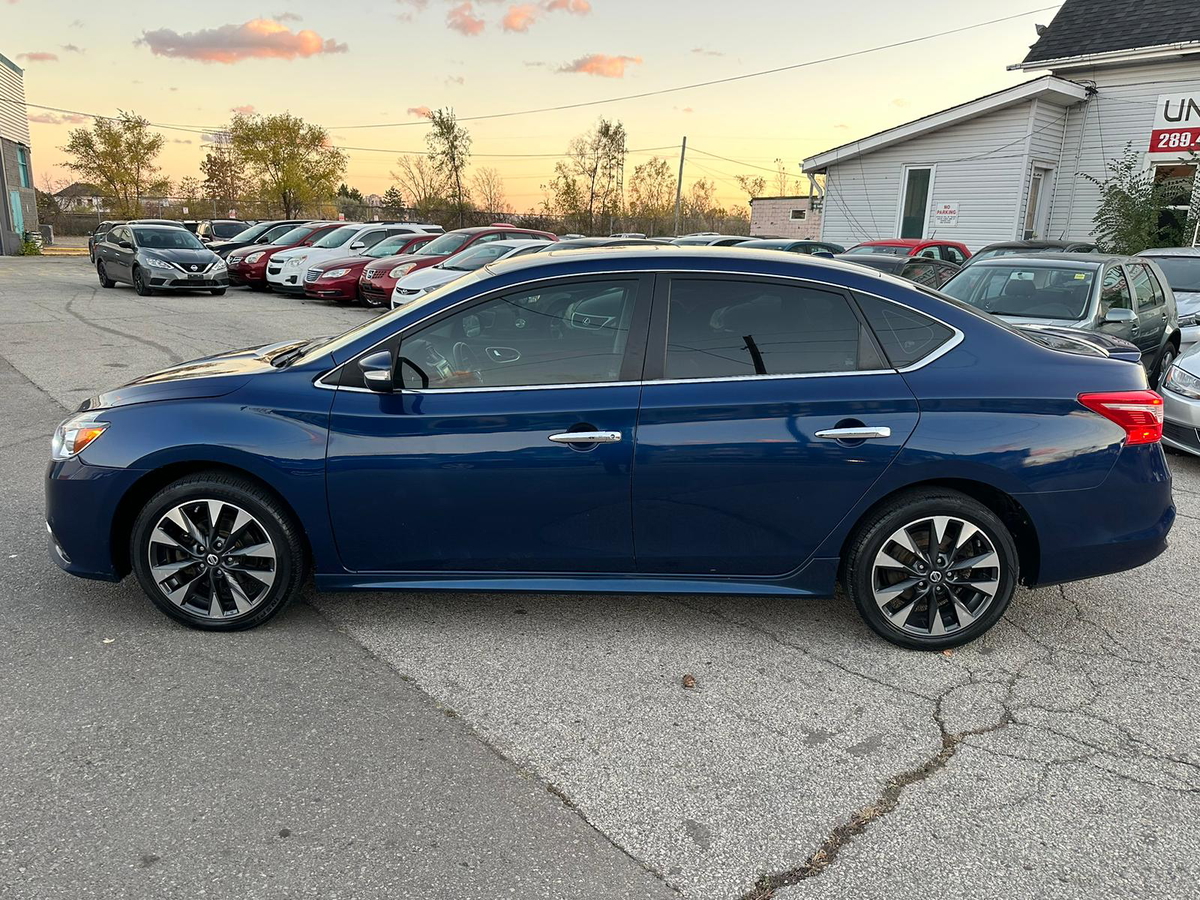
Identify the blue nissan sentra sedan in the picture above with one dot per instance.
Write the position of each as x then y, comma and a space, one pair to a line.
651, 419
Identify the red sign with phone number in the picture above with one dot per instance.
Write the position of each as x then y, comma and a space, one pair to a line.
1164, 140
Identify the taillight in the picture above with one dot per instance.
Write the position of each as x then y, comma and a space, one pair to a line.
1140, 413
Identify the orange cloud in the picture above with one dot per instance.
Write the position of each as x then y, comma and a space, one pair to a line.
247, 110
38, 56
578, 7
519, 18
256, 39
52, 119
462, 18
601, 65
423, 112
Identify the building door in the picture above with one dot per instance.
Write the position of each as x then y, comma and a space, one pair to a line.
914, 205
1035, 209
18, 214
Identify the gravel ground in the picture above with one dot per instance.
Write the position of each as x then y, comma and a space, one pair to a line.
1056, 757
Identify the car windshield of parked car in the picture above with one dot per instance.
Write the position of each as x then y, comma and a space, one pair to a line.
475, 258
227, 230
1041, 292
252, 233
388, 246
293, 234
166, 239
445, 245
1183, 272
890, 249
337, 237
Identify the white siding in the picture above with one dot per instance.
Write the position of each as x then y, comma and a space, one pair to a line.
1098, 130
14, 121
981, 164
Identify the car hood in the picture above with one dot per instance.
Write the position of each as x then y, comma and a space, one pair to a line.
387, 262
258, 248
429, 277
182, 256
1189, 360
211, 376
341, 262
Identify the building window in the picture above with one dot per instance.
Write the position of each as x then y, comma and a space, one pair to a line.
1181, 180
23, 167
914, 206
799, 215
1035, 208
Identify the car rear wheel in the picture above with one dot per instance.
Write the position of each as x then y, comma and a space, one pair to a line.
140, 284
102, 274
932, 569
217, 552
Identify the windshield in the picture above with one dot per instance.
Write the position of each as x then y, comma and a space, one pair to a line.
253, 233
445, 245
881, 248
1039, 292
1183, 272
475, 257
337, 237
389, 246
227, 229
293, 235
167, 239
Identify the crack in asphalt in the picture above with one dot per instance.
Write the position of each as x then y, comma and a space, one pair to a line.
171, 355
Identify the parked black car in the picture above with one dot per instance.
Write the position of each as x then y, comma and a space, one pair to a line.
159, 257
98, 235
1122, 296
1023, 248
791, 245
258, 233
174, 223
919, 269
211, 230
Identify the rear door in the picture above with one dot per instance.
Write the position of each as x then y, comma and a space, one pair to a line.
767, 412
1151, 306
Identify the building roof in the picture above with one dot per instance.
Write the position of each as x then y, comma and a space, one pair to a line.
79, 189
1048, 87
1085, 32
754, 200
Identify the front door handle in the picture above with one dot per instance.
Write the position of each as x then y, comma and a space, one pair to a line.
859, 433
586, 437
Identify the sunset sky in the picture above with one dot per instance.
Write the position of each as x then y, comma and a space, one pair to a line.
358, 62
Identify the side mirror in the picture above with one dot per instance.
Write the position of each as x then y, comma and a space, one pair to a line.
125, 245
1119, 316
358, 245
378, 371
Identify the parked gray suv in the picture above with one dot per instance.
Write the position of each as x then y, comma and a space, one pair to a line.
1123, 296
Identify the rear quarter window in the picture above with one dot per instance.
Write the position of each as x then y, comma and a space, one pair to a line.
906, 335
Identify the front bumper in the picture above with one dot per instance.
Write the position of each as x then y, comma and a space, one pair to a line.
167, 281
286, 279
378, 291
1181, 429
81, 510
333, 289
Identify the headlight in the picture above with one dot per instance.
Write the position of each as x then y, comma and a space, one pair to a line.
74, 434
401, 271
297, 260
254, 257
334, 273
219, 265
1187, 321
1180, 382
156, 263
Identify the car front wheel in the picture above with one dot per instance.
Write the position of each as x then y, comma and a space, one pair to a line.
140, 284
102, 274
932, 569
1169, 355
217, 552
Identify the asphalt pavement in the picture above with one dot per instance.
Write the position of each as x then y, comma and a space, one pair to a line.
443, 745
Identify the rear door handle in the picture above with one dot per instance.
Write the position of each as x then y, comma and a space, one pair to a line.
859, 433
586, 437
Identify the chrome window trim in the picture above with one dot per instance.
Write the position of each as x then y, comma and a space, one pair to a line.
955, 340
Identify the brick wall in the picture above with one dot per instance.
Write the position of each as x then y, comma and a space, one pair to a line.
10, 241
788, 217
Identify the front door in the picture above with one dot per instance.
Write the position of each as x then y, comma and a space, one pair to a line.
508, 447
1115, 293
767, 413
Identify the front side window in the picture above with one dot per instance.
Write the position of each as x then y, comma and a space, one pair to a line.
572, 333
1114, 293
953, 254
1043, 292
720, 328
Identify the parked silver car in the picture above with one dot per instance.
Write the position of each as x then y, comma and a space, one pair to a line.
1181, 265
1121, 296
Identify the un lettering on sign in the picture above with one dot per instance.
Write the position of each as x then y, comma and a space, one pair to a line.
1176, 124
945, 214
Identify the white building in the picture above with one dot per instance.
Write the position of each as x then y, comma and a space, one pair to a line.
785, 217
1011, 165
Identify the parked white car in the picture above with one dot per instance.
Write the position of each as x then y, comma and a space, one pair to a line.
286, 270
422, 281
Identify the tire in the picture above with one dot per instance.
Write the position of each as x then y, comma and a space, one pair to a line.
139, 283
257, 288
1166, 358
102, 274
372, 304
218, 292
180, 560
892, 590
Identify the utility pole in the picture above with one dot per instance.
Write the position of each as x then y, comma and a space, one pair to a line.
679, 184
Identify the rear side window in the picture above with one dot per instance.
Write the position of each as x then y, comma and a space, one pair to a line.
728, 327
906, 335
1143, 288
953, 254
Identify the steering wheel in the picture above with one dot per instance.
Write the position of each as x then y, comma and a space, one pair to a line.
465, 361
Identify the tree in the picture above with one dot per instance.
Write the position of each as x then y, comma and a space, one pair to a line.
450, 151
587, 185
422, 184
1136, 211
393, 203
291, 160
783, 181
118, 156
189, 190
350, 193
224, 171
753, 185
488, 188
651, 203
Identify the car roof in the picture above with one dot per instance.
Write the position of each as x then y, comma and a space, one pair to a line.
1171, 251
156, 226
509, 242
1046, 259
896, 242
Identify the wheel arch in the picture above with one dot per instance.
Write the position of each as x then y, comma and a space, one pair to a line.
1003, 504
140, 492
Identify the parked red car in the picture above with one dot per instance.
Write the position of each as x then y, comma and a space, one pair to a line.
337, 279
248, 265
378, 279
951, 251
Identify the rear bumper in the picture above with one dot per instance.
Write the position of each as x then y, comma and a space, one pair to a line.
1119, 525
